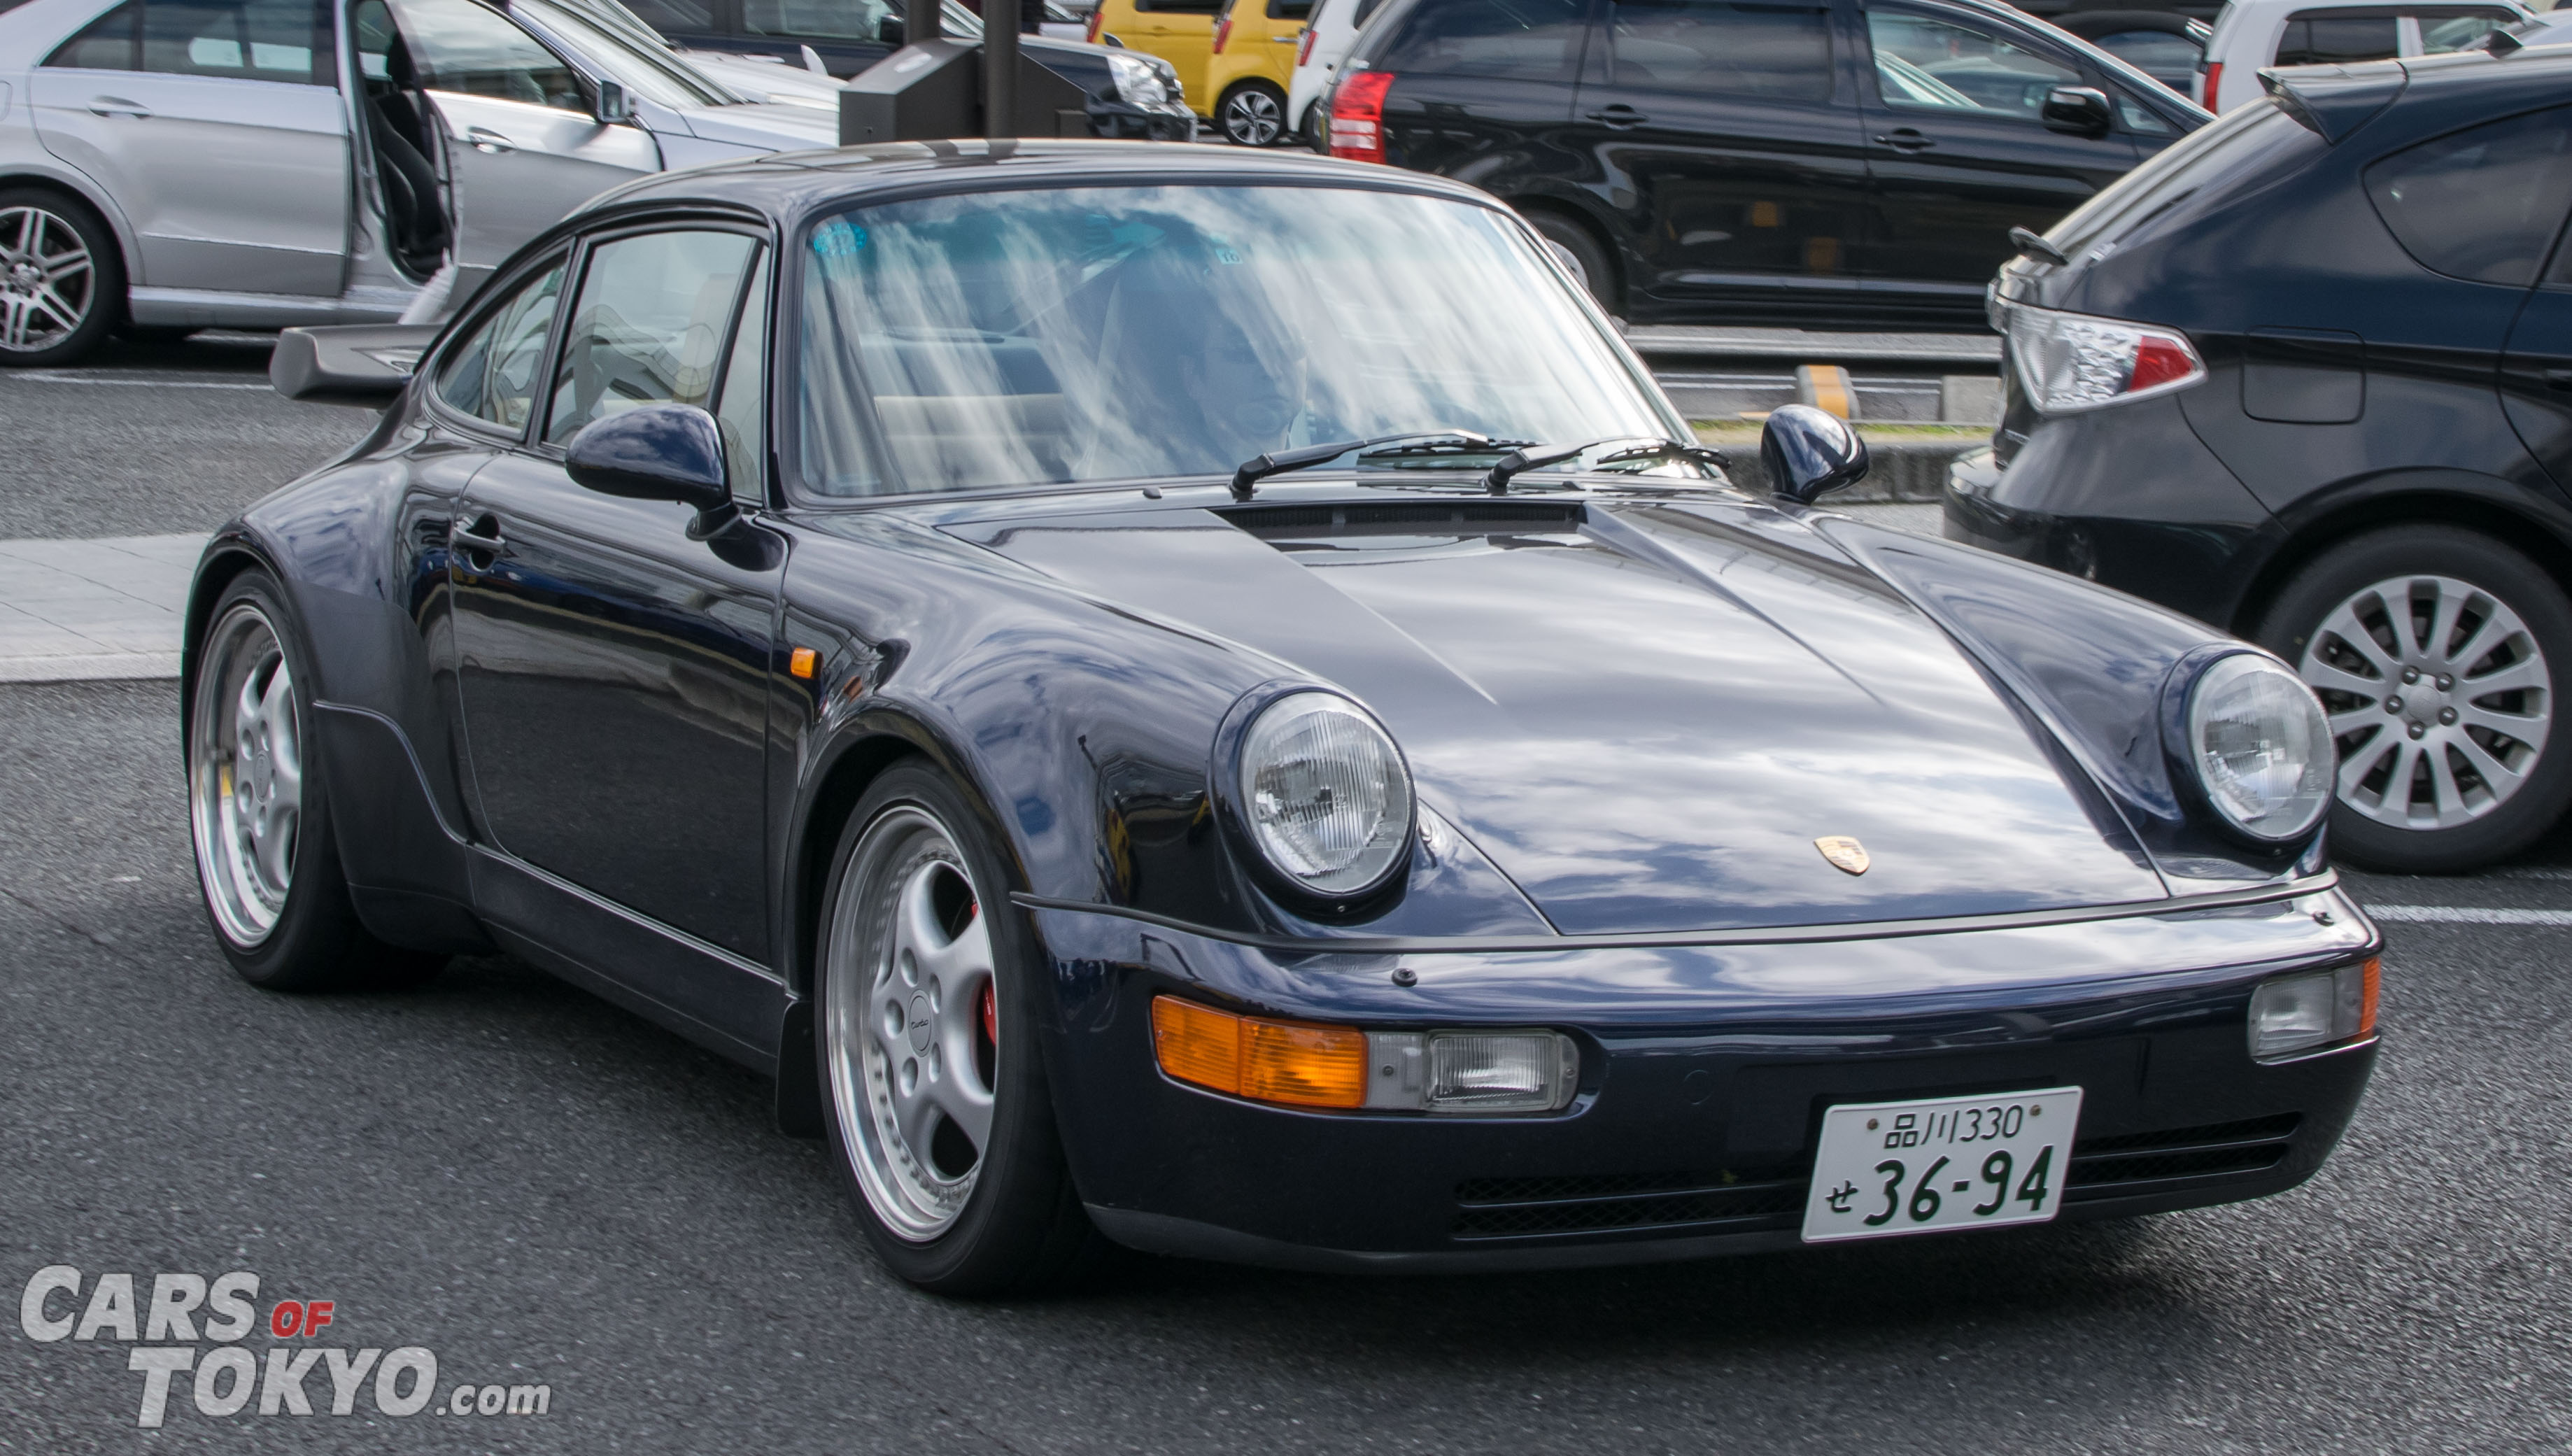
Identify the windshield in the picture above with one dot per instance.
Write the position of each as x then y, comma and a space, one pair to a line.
1112, 333
647, 69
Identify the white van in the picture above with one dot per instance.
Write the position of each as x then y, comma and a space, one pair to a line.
1328, 34
2251, 34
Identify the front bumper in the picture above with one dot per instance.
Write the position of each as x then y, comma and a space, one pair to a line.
1705, 1072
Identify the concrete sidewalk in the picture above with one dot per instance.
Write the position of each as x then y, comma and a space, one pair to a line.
106, 607
111, 608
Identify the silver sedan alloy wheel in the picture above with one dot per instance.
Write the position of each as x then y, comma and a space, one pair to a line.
2439, 698
48, 280
1253, 118
911, 1022
246, 775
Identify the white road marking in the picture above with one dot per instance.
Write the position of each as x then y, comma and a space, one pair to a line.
58, 377
2467, 915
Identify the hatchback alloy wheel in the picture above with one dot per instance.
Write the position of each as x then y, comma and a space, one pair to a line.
48, 280
1253, 116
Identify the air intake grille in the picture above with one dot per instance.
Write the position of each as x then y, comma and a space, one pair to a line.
1466, 517
2107, 1167
1730, 1200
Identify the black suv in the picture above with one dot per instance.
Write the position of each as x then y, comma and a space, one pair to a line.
1708, 160
2308, 376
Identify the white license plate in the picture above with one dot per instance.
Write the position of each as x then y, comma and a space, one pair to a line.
1945, 1162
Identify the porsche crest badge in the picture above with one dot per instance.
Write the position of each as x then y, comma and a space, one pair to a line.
1843, 852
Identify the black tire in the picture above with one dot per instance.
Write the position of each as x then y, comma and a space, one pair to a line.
1579, 250
1022, 1226
1252, 113
34, 221
2508, 583
315, 941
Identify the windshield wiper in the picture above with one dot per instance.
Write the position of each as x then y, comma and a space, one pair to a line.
1247, 475
1497, 480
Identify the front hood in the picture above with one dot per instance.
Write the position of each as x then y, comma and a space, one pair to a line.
1647, 712
765, 126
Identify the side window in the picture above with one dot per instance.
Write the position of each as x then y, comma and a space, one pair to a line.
859, 20
679, 15
1177, 7
459, 46
2140, 119
1299, 11
1519, 40
1933, 63
650, 325
2483, 202
493, 374
1722, 47
2319, 38
1366, 12
245, 40
742, 414
2440, 34
113, 42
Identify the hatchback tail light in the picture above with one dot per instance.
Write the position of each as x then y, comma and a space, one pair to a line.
2070, 362
1096, 18
1304, 49
1222, 32
1357, 115
2214, 82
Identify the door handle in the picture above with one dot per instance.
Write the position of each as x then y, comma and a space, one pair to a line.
2558, 378
116, 106
489, 142
1904, 138
1619, 116
478, 537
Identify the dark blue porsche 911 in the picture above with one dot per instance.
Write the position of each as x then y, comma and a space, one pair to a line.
1204, 701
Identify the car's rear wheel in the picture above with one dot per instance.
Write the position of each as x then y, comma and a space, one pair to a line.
260, 814
1580, 251
1252, 113
928, 1000
62, 282
2434, 651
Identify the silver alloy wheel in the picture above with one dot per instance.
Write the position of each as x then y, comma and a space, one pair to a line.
48, 281
246, 775
2440, 699
1253, 118
911, 1022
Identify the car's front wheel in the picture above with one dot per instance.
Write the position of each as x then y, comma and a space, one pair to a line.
259, 813
928, 998
2434, 651
61, 281
1252, 113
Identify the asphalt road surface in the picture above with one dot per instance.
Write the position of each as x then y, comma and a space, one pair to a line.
538, 1188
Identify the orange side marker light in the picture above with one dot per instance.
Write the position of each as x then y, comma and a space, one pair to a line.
800, 662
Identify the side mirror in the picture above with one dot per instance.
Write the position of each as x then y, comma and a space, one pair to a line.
2079, 110
657, 452
890, 30
614, 107
1806, 451
353, 363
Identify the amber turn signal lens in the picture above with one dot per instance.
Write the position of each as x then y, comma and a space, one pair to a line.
801, 661
2370, 974
1294, 1062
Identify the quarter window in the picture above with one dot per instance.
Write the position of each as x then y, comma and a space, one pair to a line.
1722, 47
650, 327
1520, 40
2483, 202
493, 374
2330, 40
1925, 63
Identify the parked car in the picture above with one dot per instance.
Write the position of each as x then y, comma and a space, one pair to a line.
1714, 160
847, 36
1179, 32
184, 165
1253, 60
2303, 377
2255, 34
1091, 674
2167, 47
1329, 34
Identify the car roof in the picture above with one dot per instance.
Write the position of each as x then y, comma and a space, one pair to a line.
789, 186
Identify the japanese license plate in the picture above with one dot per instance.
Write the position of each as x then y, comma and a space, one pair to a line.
1884, 1169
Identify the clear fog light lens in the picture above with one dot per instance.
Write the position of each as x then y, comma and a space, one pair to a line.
1471, 1072
2297, 1012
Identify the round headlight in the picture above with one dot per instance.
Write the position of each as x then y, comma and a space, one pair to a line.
1325, 792
2262, 747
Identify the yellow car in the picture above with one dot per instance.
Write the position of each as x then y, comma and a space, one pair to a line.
1180, 32
1253, 63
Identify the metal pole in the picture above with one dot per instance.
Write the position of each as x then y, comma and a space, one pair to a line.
999, 69
927, 22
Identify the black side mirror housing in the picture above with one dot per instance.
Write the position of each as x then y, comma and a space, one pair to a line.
657, 452
350, 363
890, 30
1806, 451
2080, 111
